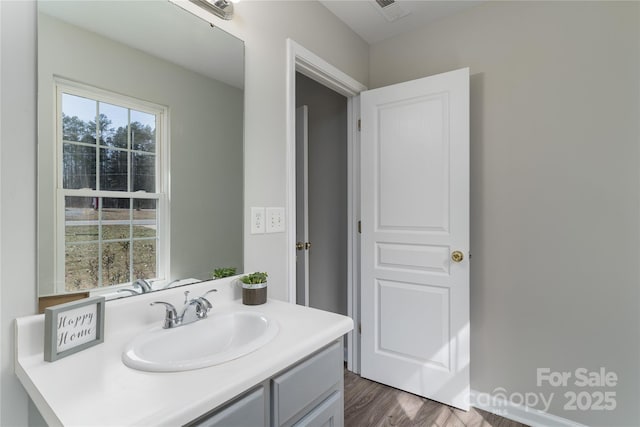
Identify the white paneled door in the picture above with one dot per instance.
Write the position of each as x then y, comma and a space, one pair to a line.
415, 236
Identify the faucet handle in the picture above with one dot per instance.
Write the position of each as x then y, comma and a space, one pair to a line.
203, 306
205, 302
171, 317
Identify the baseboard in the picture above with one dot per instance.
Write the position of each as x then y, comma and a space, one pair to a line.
523, 414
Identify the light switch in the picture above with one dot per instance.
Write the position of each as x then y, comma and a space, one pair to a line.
275, 220
257, 220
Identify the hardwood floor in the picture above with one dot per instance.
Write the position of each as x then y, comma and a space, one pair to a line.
370, 404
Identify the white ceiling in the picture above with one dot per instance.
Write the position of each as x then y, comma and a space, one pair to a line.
363, 16
161, 29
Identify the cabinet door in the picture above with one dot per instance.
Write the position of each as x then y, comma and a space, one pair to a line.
327, 414
302, 387
249, 411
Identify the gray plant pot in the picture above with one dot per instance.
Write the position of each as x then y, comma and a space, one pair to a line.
255, 294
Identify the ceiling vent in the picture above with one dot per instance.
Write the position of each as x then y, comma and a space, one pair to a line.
390, 9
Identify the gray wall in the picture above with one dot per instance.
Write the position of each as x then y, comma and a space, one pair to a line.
555, 105
327, 194
206, 151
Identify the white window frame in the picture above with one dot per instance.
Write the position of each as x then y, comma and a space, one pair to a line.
162, 179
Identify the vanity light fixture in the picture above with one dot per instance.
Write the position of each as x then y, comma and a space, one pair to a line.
221, 8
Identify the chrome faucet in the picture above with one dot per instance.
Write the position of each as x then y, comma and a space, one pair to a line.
194, 309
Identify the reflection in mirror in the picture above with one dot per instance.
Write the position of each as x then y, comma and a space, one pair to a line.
109, 148
140, 148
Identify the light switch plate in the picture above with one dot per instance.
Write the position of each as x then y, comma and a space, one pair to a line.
257, 220
275, 220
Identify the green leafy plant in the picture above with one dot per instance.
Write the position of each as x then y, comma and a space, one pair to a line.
254, 278
221, 272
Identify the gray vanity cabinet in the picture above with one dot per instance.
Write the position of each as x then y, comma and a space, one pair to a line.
248, 410
309, 394
330, 413
315, 382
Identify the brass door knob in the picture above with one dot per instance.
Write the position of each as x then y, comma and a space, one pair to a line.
300, 246
457, 256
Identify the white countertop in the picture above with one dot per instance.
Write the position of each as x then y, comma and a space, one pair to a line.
94, 388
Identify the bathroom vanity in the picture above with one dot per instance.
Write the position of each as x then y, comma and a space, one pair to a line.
294, 379
308, 393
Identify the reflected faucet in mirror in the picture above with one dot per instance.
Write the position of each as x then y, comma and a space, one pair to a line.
140, 286
143, 285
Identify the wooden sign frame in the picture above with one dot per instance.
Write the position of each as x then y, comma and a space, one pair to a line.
73, 327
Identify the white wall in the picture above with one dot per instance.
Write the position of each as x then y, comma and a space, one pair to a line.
17, 192
264, 26
555, 105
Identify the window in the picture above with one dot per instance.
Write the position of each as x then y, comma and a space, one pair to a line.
111, 193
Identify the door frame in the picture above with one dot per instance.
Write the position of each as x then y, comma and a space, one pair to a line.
300, 59
304, 157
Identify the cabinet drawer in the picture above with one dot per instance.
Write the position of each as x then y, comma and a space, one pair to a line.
248, 411
326, 414
304, 386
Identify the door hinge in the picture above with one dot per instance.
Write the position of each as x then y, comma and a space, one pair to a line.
360, 328
359, 124
359, 227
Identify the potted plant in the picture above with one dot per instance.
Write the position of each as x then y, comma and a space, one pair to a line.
221, 272
254, 288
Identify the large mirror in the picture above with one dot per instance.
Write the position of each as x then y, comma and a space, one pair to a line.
140, 147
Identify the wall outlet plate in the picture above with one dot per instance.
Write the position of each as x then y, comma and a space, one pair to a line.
275, 220
257, 220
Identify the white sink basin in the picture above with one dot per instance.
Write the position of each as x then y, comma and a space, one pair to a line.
217, 339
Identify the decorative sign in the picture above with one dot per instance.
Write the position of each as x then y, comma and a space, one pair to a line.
72, 327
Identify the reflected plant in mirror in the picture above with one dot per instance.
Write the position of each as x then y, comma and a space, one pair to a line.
221, 272
140, 137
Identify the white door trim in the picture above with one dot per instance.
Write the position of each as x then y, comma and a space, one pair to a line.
300, 59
